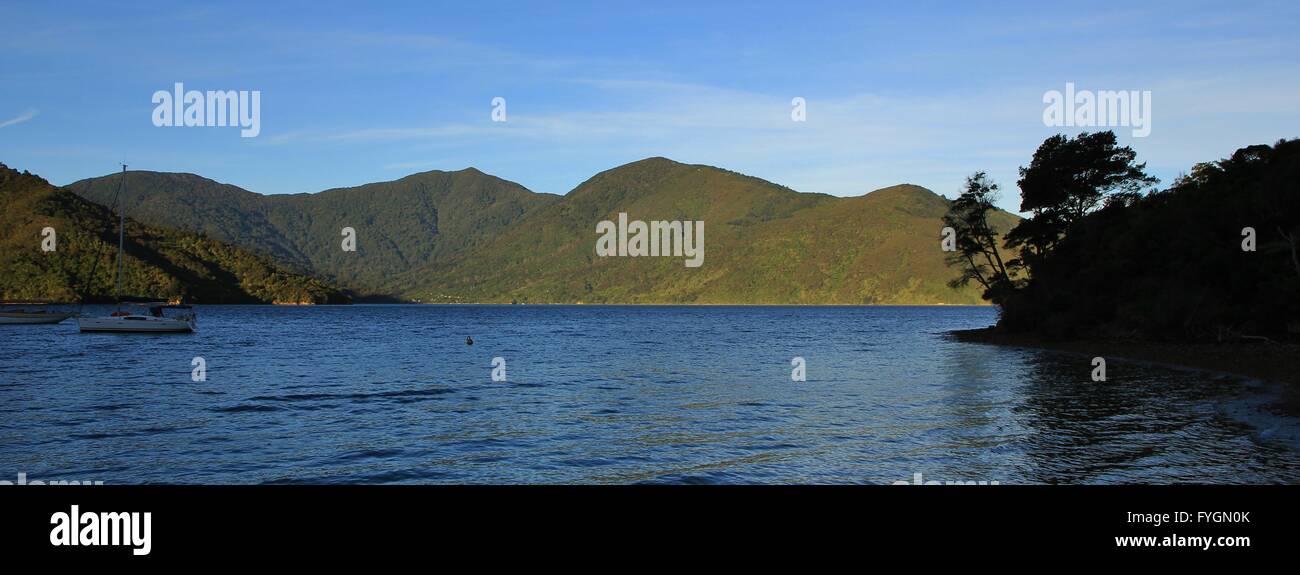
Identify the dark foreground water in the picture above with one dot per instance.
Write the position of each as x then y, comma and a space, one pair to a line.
378, 394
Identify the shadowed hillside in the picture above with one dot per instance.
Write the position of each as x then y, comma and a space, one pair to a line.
404, 224
159, 263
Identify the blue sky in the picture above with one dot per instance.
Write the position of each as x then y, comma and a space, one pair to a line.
896, 92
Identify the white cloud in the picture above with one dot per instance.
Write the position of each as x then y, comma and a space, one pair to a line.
23, 117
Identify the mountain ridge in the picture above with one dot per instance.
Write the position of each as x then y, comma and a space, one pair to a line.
304, 230
468, 236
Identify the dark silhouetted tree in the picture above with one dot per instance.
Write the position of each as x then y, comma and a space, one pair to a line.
976, 241
1067, 179
1170, 264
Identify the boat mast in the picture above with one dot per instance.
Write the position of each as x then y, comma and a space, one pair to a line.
121, 232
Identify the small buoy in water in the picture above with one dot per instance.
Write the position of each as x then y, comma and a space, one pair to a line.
469, 341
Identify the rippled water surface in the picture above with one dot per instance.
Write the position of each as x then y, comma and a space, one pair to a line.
378, 394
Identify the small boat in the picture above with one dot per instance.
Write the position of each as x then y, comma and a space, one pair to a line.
143, 314
10, 314
141, 317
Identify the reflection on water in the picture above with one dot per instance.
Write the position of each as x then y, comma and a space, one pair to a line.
607, 394
1140, 418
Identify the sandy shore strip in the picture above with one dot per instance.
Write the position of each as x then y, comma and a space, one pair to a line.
1275, 362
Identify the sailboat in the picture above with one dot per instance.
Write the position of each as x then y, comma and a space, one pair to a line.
138, 315
11, 313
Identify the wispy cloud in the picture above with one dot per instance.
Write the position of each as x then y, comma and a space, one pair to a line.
909, 95
23, 117
850, 143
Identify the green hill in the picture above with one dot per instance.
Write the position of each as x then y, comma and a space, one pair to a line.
159, 263
404, 224
764, 244
469, 237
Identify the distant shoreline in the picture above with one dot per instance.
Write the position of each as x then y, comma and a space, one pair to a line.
413, 303
1272, 362
696, 304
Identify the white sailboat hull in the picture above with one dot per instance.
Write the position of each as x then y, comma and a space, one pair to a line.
134, 324
23, 317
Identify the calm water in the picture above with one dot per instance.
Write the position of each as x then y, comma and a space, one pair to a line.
378, 394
